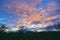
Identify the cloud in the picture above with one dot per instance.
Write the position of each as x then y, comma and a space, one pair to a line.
29, 12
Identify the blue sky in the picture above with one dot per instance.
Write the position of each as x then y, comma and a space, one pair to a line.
4, 15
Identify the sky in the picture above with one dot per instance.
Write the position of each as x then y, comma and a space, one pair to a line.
29, 13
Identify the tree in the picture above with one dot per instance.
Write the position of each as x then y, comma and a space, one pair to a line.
2, 28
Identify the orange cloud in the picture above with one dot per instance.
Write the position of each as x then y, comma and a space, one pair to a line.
51, 18
22, 9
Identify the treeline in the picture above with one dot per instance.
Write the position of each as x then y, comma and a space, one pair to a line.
55, 26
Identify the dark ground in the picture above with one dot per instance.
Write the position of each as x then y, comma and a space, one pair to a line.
28, 36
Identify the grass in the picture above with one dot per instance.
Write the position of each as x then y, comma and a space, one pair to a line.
42, 35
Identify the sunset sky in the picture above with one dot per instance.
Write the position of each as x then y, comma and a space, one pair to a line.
14, 13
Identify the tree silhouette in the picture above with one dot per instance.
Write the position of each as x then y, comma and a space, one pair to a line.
2, 28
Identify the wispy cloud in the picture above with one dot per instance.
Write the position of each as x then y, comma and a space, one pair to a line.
28, 12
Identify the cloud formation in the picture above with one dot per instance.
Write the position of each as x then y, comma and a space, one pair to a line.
27, 12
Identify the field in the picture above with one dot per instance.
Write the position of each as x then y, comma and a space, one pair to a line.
41, 35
